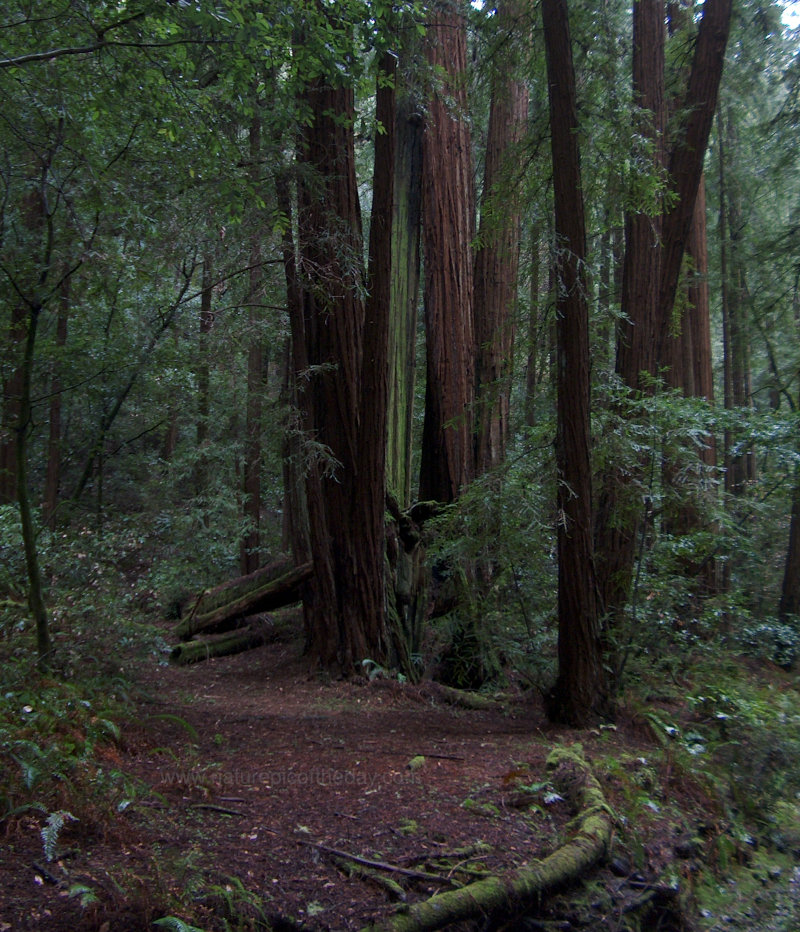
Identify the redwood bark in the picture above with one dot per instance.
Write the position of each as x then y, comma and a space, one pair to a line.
618, 516
405, 292
447, 449
497, 258
345, 348
579, 692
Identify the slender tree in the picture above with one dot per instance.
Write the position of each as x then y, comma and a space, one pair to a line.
579, 692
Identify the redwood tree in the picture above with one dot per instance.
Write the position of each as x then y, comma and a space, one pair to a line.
497, 257
580, 689
345, 384
447, 224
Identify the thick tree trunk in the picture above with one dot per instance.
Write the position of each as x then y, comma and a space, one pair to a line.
344, 603
580, 691
497, 258
405, 294
447, 447
225, 606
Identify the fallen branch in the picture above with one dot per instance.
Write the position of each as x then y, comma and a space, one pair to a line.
595, 822
381, 865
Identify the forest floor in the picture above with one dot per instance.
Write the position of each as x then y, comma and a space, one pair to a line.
244, 776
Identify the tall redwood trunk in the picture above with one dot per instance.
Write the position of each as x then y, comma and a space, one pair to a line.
618, 516
447, 449
404, 292
643, 347
497, 258
579, 692
345, 348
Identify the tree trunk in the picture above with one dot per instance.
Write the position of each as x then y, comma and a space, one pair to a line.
687, 156
618, 514
405, 293
250, 556
506, 895
580, 690
497, 258
35, 588
447, 439
344, 607
53, 476
225, 606
204, 388
12, 393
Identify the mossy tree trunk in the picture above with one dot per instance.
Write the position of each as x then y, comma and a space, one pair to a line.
509, 894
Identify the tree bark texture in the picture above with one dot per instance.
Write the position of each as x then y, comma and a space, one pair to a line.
580, 689
345, 608
447, 201
405, 293
497, 258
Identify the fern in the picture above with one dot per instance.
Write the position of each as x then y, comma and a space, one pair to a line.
175, 924
55, 822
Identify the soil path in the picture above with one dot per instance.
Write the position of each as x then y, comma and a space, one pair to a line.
244, 770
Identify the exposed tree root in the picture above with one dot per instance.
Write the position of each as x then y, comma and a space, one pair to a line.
595, 822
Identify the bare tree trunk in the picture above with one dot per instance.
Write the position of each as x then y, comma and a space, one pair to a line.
53, 476
580, 690
497, 258
447, 440
250, 556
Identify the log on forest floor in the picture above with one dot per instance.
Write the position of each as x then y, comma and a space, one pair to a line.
504, 895
225, 607
258, 631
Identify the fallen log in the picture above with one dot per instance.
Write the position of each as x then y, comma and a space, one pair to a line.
258, 632
225, 607
506, 894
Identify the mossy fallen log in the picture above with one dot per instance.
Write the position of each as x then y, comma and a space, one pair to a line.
258, 631
571, 775
225, 607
